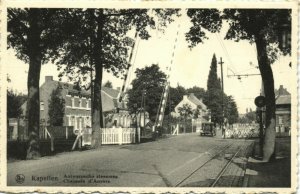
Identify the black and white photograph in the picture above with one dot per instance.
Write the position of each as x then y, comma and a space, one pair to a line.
149, 96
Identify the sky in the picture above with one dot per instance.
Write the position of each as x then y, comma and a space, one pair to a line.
190, 67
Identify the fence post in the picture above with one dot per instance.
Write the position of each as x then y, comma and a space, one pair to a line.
139, 134
134, 135
120, 135
52, 143
67, 132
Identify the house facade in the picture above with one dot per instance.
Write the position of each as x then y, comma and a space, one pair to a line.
195, 104
283, 111
78, 105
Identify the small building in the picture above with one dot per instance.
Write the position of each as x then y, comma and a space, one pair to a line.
283, 111
195, 104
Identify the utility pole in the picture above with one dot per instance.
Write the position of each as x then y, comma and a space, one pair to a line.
222, 122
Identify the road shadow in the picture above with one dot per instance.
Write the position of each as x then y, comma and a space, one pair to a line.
272, 174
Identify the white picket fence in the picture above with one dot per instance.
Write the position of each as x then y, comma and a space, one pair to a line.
118, 135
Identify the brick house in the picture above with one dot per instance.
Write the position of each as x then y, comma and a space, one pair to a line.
283, 111
78, 105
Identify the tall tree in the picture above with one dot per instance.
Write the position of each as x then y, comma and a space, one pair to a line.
230, 110
14, 103
98, 41
262, 27
150, 80
56, 110
213, 97
197, 91
32, 33
176, 95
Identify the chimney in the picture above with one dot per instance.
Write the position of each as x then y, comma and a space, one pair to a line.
281, 90
48, 78
185, 97
192, 95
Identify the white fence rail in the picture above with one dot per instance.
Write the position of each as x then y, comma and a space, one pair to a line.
118, 135
242, 132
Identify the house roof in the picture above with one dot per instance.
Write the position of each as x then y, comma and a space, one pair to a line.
281, 91
196, 101
283, 99
111, 92
109, 96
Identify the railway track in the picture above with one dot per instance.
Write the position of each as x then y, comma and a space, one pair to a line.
216, 180
224, 169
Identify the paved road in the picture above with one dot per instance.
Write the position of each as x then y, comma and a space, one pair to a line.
174, 162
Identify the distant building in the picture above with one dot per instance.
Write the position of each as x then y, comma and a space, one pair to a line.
193, 101
283, 111
78, 105
195, 104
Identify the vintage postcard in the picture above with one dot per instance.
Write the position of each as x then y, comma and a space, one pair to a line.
149, 96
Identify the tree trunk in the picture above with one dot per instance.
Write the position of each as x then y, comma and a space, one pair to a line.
97, 115
33, 99
268, 83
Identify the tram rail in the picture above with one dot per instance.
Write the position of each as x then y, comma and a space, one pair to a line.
222, 170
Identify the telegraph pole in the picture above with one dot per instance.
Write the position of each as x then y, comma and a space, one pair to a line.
222, 123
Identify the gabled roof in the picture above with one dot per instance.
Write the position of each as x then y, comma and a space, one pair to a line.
71, 87
196, 101
111, 92
281, 91
109, 96
283, 99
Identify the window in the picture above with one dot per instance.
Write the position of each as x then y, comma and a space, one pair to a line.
73, 104
79, 103
69, 121
72, 121
280, 120
42, 105
88, 122
87, 103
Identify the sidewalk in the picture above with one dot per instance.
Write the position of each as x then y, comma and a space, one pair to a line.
273, 174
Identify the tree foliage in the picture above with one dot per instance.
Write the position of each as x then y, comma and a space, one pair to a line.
249, 117
185, 112
14, 103
176, 95
151, 80
197, 91
108, 84
230, 110
56, 110
98, 41
34, 34
262, 27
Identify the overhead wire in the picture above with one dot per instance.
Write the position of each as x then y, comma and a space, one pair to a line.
226, 52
